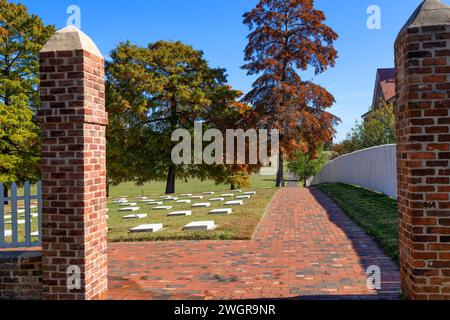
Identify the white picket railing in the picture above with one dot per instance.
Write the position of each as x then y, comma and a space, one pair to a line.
374, 168
22, 221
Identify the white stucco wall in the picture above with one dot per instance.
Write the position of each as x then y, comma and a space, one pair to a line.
373, 168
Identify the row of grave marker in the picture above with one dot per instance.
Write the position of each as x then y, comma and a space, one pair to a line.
193, 226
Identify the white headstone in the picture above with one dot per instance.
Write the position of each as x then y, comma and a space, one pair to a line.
227, 195
197, 197
128, 204
170, 199
8, 233
179, 213
236, 191
234, 203
201, 205
154, 203
200, 225
183, 201
243, 197
208, 193
19, 222
186, 195
217, 199
162, 208
249, 193
35, 234
132, 209
147, 228
221, 211
135, 216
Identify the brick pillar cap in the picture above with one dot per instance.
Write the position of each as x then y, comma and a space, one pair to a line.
429, 13
71, 38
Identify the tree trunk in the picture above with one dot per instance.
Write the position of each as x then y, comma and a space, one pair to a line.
233, 187
305, 182
170, 186
5, 193
280, 173
171, 175
107, 187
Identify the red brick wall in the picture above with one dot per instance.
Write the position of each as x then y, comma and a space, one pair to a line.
73, 123
423, 129
21, 275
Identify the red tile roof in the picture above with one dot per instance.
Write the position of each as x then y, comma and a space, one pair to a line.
387, 82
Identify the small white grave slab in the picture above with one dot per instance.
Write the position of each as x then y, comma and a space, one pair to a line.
243, 197
186, 195
35, 234
249, 193
179, 213
201, 205
135, 216
227, 195
217, 199
197, 197
19, 222
128, 204
149, 200
208, 193
235, 203
162, 208
171, 199
141, 198
148, 228
221, 211
31, 207
200, 225
183, 201
8, 233
132, 209
33, 215
236, 191
154, 203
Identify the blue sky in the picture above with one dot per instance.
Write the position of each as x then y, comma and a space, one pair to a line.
215, 26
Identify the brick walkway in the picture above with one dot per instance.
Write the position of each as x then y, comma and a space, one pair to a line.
305, 247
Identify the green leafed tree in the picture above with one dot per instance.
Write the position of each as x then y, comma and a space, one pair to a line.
151, 92
305, 166
22, 35
377, 129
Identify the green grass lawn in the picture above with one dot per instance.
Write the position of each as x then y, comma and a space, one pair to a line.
192, 186
240, 225
20, 227
375, 212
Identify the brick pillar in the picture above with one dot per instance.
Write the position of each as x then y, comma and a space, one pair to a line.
422, 54
73, 122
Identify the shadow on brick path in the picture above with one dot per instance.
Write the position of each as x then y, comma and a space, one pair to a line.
305, 247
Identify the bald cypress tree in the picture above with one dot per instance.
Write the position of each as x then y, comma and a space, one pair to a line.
288, 37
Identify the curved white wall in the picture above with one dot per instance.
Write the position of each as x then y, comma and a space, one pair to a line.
374, 168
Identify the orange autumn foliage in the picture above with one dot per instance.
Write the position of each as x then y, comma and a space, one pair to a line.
287, 37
